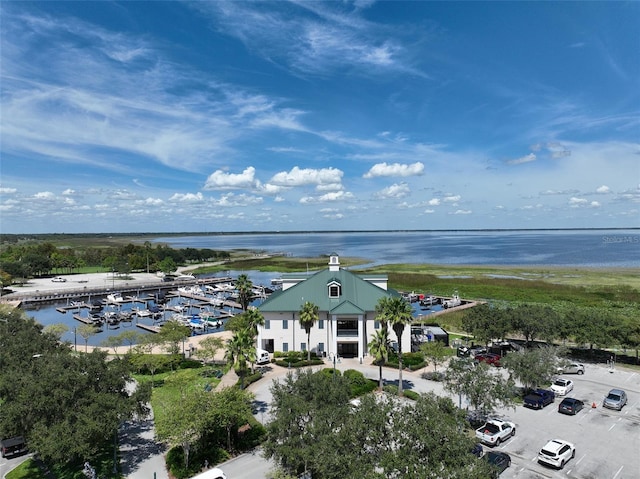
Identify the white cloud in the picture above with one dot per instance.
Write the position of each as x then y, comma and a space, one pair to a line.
187, 197
595, 204
307, 176
434, 202
394, 191
232, 200
328, 197
44, 195
7, 191
603, 189
452, 198
462, 212
221, 180
153, 201
395, 169
576, 202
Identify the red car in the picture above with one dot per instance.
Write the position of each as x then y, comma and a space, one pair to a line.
489, 358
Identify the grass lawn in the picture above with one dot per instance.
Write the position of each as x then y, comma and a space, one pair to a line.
27, 470
170, 385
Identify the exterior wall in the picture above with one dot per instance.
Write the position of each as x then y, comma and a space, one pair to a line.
295, 335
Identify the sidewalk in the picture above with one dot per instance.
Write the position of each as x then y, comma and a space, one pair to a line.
140, 456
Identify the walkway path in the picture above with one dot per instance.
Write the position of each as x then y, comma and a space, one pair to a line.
141, 457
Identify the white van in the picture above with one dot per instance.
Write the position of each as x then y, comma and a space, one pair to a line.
214, 473
262, 356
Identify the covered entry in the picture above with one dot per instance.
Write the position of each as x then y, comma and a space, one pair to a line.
348, 350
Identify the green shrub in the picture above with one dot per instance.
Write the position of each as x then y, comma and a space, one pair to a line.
250, 379
433, 376
253, 437
409, 394
330, 372
190, 364
415, 367
391, 389
359, 384
411, 360
299, 364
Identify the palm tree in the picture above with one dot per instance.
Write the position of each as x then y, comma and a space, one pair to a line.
240, 349
253, 318
398, 312
384, 312
308, 317
379, 348
245, 290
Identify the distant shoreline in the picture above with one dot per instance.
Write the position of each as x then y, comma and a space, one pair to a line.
293, 232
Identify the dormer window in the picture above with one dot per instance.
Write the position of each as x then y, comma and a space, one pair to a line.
335, 289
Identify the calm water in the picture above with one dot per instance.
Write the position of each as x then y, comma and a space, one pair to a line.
584, 248
616, 248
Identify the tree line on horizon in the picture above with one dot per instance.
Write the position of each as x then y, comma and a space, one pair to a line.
19, 262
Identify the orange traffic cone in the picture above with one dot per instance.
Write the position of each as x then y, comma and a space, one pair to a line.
593, 404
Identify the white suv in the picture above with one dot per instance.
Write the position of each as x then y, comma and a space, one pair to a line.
556, 453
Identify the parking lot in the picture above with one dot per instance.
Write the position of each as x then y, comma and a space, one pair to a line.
607, 442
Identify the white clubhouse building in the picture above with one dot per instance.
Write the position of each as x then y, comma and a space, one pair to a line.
346, 306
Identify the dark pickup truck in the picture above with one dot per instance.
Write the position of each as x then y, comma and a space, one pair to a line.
12, 446
539, 398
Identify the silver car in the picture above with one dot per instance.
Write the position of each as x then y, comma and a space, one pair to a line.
616, 399
571, 368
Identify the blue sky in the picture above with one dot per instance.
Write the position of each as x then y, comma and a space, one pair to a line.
276, 116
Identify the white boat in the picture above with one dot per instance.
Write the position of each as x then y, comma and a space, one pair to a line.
185, 277
452, 303
211, 321
192, 290
181, 318
115, 298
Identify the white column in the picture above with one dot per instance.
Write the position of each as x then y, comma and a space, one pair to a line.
334, 332
360, 336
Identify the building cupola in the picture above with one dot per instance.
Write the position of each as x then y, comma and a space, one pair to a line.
334, 262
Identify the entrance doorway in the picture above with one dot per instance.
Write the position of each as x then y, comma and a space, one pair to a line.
348, 350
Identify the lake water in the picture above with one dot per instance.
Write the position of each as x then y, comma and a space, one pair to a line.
601, 248
604, 249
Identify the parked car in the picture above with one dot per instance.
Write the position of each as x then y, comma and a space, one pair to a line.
477, 450
616, 399
499, 461
59, 279
13, 446
539, 398
214, 473
556, 453
494, 432
570, 406
571, 368
464, 351
489, 358
562, 387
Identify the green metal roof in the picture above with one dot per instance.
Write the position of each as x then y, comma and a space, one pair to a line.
358, 295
